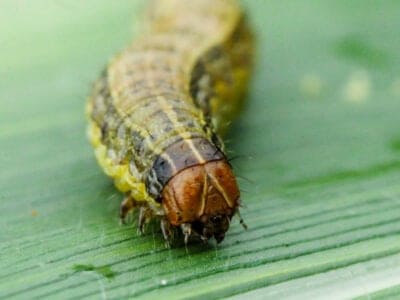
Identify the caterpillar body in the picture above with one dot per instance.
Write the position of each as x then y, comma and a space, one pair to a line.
158, 110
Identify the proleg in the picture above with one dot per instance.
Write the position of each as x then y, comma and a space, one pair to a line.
160, 108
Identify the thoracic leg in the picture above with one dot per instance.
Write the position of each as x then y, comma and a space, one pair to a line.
241, 220
187, 231
126, 207
166, 231
145, 215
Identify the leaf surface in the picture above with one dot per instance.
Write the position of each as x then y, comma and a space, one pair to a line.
317, 146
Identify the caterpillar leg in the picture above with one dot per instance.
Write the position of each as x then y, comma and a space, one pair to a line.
244, 225
166, 231
126, 207
145, 215
187, 231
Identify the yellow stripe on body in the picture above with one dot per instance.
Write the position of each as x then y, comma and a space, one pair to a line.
174, 120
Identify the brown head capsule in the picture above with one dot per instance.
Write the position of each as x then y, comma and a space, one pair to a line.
204, 196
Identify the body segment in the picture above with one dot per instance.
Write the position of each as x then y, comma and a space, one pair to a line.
157, 112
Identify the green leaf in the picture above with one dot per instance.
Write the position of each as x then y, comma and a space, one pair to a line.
318, 148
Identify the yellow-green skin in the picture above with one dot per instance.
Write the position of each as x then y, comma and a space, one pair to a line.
184, 77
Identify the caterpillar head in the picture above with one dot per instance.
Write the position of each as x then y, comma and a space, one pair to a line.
202, 199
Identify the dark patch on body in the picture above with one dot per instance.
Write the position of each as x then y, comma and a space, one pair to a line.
201, 94
176, 158
102, 98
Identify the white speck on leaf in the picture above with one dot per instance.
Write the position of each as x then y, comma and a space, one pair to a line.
311, 86
395, 88
358, 87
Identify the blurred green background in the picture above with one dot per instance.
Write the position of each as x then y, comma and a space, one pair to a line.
318, 148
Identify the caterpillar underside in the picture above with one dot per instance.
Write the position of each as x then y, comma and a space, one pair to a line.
157, 112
